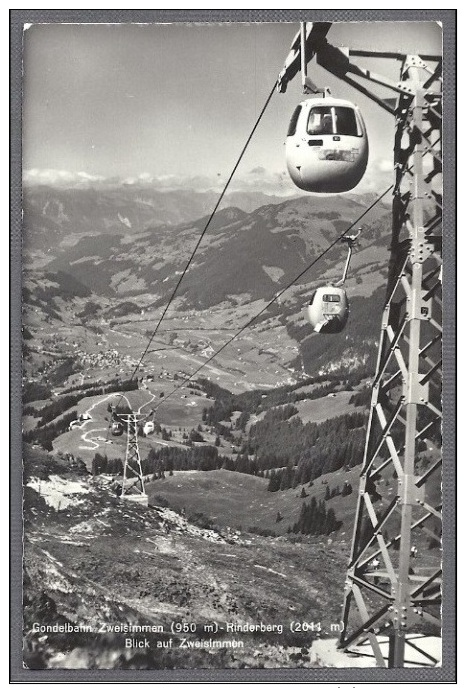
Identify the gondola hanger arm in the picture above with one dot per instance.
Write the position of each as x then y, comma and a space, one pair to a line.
311, 42
350, 240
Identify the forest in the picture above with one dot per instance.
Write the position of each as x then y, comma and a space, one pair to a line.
279, 447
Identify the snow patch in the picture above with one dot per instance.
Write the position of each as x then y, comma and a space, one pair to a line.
55, 579
325, 652
124, 220
273, 272
180, 523
59, 493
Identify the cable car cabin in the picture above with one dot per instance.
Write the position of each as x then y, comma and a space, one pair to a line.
328, 310
149, 427
117, 428
326, 146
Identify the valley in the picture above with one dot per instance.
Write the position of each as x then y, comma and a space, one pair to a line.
252, 467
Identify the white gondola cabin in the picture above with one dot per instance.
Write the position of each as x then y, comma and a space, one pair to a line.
328, 310
326, 146
148, 428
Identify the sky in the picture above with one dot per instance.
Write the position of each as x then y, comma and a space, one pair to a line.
173, 104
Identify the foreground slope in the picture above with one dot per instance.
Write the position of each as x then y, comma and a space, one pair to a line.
94, 561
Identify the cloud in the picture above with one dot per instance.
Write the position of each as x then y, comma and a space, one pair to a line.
378, 176
384, 165
60, 177
257, 179
258, 170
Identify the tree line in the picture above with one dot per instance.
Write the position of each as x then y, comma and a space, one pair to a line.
93, 385
62, 404
259, 400
204, 458
47, 433
102, 464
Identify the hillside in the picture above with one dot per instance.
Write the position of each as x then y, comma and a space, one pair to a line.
254, 253
242, 502
164, 570
55, 215
173, 565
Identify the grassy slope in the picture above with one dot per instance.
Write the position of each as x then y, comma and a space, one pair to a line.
320, 410
238, 500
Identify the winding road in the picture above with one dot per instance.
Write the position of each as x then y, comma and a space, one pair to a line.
152, 398
93, 443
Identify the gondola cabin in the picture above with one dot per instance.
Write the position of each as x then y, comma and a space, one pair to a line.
326, 146
117, 428
328, 310
148, 428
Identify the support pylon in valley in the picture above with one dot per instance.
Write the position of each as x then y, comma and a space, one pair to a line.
393, 586
133, 479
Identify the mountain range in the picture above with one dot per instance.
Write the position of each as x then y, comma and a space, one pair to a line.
89, 234
55, 214
114, 253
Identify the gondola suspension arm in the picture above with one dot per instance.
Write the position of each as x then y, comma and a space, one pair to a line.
350, 240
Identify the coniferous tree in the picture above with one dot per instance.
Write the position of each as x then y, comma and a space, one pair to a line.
195, 436
330, 522
311, 518
95, 466
347, 489
274, 481
99, 464
284, 480
301, 523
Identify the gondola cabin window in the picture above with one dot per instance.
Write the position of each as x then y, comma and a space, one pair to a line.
294, 121
332, 120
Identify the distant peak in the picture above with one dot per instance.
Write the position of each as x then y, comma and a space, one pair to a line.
232, 213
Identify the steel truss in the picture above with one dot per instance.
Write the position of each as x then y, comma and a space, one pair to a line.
133, 479
390, 602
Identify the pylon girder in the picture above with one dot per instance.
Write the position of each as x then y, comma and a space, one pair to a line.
132, 464
405, 406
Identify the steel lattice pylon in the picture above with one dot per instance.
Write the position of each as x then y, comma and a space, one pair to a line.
133, 479
392, 597
386, 594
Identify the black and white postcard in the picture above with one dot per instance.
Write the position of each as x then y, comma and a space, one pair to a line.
232, 404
